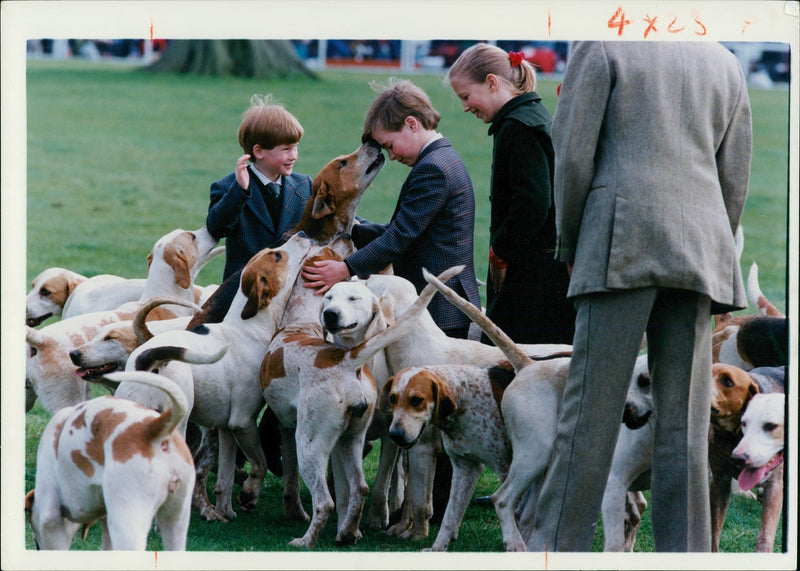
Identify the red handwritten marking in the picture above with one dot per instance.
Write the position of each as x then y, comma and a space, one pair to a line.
155, 557
704, 31
151, 30
746, 23
672, 23
618, 21
651, 25
549, 24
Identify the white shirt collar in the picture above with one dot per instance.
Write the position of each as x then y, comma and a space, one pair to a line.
435, 137
263, 178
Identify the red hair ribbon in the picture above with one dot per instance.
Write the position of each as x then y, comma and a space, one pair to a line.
516, 58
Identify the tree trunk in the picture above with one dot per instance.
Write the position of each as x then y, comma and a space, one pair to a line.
242, 58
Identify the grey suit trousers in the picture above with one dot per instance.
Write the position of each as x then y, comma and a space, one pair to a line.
609, 330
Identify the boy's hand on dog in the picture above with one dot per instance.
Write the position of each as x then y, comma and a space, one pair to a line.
242, 175
323, 274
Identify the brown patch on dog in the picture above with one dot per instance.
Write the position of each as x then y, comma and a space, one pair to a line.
329, 356
733, 389
262, 278
60, 288
721, 334
103, 424
159, 313
80, 420
125, 337
29, 498
83, 463
56, 436
272, 368
369, 376
181, 255
138, 438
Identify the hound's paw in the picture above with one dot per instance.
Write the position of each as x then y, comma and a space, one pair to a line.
301, 542
348, 538
514, 546
247, 501
210, 514
378, 519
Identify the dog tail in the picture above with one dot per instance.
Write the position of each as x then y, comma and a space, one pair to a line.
140, 327
170, 418
515, 355
194, 352
757, 298
363, 352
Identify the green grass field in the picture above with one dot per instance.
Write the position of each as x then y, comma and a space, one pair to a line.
118, 158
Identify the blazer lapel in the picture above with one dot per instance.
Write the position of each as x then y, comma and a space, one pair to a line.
291, 202
258, 206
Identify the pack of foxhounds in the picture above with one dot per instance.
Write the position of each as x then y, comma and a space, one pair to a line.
191, 369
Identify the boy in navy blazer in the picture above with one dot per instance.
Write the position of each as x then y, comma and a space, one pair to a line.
434, 220
255, 205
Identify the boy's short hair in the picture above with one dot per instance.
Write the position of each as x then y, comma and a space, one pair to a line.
394, 103
267, 124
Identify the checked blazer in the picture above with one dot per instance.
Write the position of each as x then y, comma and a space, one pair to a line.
432, 227
240, 215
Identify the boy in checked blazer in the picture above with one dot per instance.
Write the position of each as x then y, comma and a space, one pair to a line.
434, 220
653, 143
256, 204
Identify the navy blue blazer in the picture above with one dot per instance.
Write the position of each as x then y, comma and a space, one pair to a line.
432, 227
241, 216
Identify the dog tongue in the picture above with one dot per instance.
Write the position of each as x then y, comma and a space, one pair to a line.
81, 372
749, 477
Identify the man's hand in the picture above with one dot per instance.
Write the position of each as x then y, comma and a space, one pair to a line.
323, 274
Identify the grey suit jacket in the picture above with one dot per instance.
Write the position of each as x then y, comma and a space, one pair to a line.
652, 168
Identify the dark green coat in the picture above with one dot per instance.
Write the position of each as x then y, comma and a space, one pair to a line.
532, 306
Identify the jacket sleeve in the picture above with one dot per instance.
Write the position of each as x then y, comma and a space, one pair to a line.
734, 156
576, 131
418, 207
227, 199
528, 193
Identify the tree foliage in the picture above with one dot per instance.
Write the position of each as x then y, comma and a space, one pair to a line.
241, 58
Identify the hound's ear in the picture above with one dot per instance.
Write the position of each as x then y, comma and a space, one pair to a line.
387, 309
383, 402
445, 404
149, 261
179, 262
257, 290
324, 202
378, 322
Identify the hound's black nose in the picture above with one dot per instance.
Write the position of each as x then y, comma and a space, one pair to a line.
331, 319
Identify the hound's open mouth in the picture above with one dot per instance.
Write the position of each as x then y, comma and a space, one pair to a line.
749, 477
94, 372
34, 321
343, 328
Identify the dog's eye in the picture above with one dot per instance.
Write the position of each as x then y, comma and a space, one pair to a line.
44, 292
392, 400
769, 426
34, 351
416, 401
726, 381
354, 298
278, 256
643, 381
342, 163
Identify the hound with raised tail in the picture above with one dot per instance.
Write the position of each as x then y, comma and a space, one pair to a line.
226, 393
113, 460
529, 410
324, 397
428, 345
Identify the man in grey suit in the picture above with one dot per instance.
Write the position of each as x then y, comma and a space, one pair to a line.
653, 143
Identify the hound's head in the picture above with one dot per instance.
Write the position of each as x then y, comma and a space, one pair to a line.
106, 352
271, 273
416, 398
639, 401
761, 448
185, 253
336, 190
49, 292
352, 313
731, 390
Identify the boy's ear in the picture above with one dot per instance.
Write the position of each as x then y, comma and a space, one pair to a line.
258, 151
412, 122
